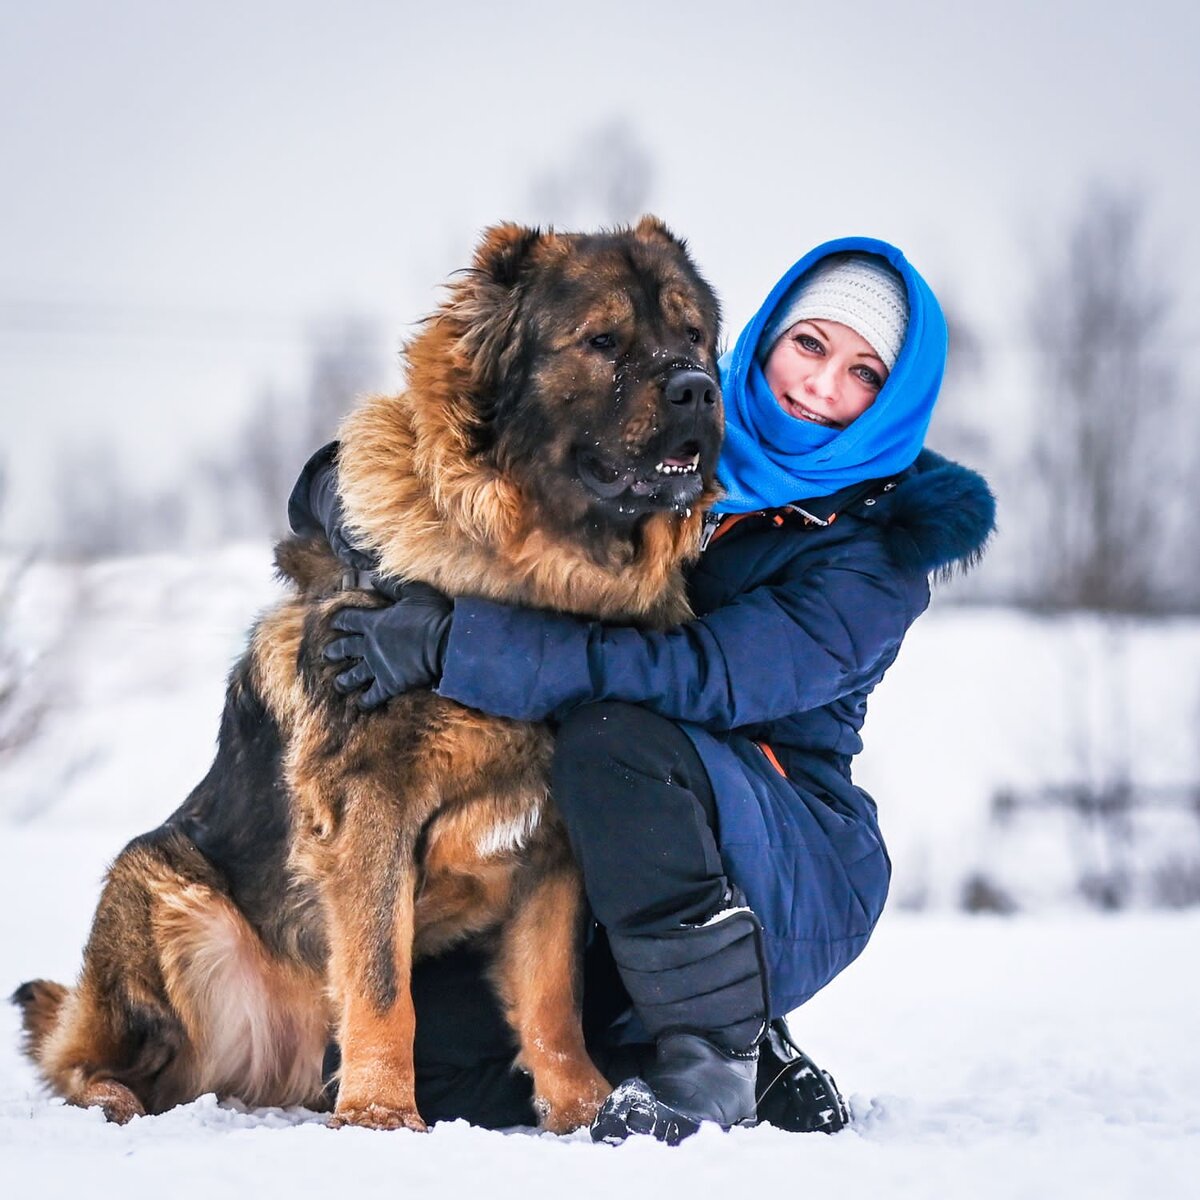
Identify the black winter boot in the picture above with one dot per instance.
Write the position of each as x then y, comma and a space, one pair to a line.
793, 1092
700, 990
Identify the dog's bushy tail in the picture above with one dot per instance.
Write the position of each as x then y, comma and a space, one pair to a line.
40, 1001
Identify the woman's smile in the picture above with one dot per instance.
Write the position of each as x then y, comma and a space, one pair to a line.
794, 408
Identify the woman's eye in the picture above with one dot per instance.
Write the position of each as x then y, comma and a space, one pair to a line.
869, 377
694, 335
602, 341
808, 342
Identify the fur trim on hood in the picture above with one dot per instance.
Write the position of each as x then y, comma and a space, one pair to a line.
938, 519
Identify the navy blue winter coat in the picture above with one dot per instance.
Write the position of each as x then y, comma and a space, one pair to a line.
796, 622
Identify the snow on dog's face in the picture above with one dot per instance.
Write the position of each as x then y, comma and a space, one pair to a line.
594, 358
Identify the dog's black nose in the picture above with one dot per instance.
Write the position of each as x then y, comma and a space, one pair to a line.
691, 387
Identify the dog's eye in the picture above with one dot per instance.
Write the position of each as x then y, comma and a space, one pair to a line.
602, 341
694, 335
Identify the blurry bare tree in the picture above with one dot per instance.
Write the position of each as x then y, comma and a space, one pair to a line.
1103, 489
100, 514
606, 179
1102, 463
239, 492
247, 487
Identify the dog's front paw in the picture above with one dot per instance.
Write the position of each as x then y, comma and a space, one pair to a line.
572, 1108
377, 1116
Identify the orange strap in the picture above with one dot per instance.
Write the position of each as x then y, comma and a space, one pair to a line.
728, 523
776, 518
771, 757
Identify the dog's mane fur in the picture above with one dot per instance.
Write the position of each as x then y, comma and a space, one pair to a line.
412, 480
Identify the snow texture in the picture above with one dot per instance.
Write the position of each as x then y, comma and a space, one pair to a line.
981, 1056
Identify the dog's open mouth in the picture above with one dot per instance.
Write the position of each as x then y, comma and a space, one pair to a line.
689, 465
674, 475
672, 480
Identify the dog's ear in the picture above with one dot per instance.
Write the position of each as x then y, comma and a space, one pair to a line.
651, 229
503, 250
486, 306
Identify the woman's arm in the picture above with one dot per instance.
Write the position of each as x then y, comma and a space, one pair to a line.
773, 651
315, 509
777, 650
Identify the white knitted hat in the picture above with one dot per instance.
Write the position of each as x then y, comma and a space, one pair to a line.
858, 290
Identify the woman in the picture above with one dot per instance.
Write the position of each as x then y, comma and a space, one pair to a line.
703, 773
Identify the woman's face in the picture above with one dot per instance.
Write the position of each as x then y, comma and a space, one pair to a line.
824, 372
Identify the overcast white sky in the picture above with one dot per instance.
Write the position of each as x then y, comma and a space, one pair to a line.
186, 186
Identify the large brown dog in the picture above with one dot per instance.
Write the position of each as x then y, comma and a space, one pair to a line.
554, 447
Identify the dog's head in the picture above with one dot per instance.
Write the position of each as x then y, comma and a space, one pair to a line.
590, 362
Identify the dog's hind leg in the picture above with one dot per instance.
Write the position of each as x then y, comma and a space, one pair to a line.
113, 1040
69, 1039
537, 972
177, 997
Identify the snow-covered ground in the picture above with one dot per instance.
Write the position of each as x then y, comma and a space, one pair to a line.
1053, 1052
983, 1057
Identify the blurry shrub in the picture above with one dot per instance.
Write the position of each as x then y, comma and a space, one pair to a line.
1175, 882
980, 894
244, 489
22, 706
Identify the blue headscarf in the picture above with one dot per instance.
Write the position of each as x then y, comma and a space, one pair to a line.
770, 458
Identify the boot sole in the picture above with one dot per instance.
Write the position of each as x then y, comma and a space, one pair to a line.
811, 1102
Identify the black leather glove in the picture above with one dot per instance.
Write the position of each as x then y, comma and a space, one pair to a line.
395, 648
314, 507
